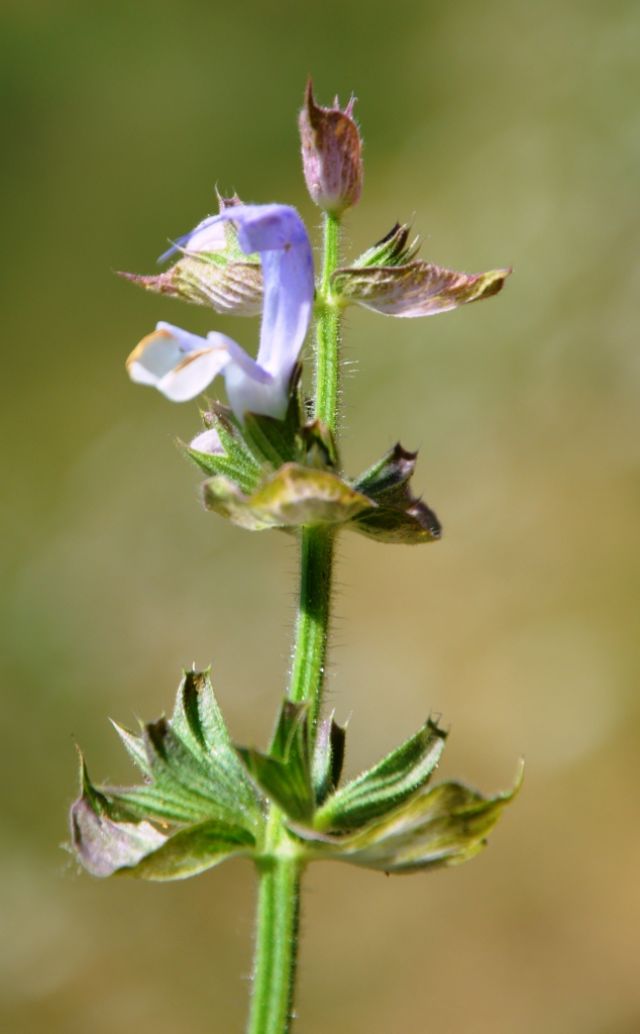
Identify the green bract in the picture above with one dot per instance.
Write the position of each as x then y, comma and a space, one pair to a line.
389, 279
204, 800
286, 474
196, 807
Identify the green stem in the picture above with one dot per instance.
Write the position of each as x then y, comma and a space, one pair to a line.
280, 868
312, 622
316, 544
328, 330
276, 937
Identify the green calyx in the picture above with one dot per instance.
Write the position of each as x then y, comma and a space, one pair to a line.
387, 818
388, 278
286, 474
203, 800
225, 279
196, 806
396, 248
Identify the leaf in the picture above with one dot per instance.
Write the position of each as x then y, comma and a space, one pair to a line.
397, 777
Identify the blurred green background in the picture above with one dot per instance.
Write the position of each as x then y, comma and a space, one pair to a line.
509, 133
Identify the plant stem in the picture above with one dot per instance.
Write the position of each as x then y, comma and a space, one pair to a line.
312, 622
316, 544
328, 330
276, 937
280, 869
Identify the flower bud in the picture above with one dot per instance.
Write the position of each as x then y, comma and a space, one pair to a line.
331, 154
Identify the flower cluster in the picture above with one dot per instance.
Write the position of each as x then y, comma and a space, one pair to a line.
251, 259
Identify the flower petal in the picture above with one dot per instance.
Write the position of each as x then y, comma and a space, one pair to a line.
177, 363
278, 235
415, 289
248, 394
250, 388
192, 375
158, 353
181, 365
208, 236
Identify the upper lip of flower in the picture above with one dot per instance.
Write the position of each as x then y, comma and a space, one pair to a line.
181, 365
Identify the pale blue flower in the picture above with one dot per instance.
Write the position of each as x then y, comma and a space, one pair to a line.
181, 365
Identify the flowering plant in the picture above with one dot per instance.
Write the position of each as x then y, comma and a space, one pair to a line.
272, 461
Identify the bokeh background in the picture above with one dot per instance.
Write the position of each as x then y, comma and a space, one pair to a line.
509, 133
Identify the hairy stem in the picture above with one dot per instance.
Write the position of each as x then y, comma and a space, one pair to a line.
280, 872
312, 622
328, 330
316, 544
276, 936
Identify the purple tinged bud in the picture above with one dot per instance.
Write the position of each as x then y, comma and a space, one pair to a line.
331, 154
